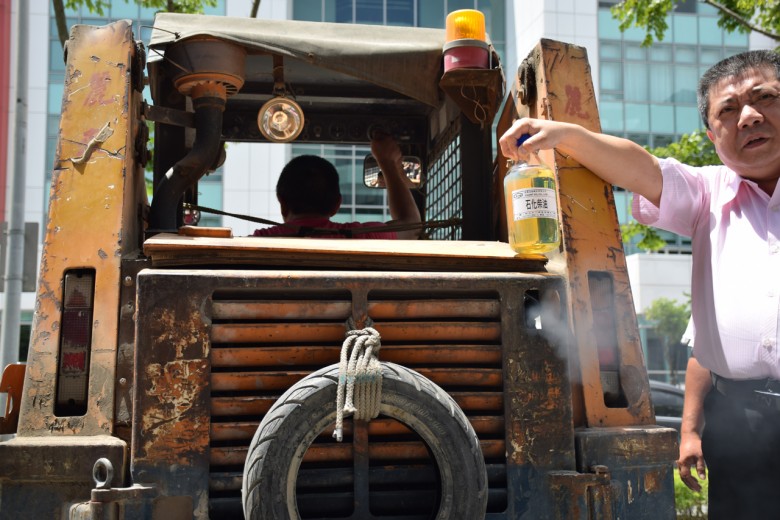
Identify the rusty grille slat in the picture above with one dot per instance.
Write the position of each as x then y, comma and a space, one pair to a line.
333, 333
291, 356
244, 430
342, 452
423, 309
254, 356
278, 333
282, 310
434, 354
460, 331
242, 406
280, 381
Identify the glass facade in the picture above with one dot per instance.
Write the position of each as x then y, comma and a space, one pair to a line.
361, 203
649, 94
210, 187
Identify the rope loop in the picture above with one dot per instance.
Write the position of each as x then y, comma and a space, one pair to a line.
359, 390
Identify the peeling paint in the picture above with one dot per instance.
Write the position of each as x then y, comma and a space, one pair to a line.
176, 386
653, 481
574, 102
98, 85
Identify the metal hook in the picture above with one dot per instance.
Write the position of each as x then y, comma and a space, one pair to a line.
103, 473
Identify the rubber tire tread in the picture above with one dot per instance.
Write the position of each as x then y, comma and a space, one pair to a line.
308, 407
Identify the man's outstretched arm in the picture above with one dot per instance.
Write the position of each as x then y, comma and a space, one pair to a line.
616, 160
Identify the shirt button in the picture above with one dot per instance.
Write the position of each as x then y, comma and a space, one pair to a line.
774, 249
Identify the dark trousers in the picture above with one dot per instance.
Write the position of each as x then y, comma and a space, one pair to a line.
741, 445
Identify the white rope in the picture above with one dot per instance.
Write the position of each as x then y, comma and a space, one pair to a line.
360, 377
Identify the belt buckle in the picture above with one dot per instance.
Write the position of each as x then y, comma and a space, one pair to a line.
769, 397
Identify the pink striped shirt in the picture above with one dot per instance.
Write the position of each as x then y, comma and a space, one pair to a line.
735, 283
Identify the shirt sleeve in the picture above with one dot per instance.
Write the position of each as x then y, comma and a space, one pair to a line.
684, 195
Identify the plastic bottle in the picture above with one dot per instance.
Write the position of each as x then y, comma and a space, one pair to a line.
531, 207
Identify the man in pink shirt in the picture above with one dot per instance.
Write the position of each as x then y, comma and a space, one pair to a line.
309, 195
732, 214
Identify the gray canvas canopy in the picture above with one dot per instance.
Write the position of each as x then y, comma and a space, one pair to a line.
404, 60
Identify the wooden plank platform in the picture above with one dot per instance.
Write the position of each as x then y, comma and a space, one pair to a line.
168, 250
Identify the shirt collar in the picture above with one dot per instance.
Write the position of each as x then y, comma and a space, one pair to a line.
732, 183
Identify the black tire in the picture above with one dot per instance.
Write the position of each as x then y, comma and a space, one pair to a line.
308, 407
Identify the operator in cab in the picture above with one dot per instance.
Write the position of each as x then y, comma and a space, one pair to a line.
309, 195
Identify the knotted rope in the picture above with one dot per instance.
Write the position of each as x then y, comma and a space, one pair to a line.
360, 376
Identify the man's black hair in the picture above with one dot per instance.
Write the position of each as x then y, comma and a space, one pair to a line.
309, 184
734, 67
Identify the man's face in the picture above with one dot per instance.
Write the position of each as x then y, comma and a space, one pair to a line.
744, 117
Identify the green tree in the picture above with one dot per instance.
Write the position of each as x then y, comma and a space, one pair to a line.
98, 6
694, 149
761, 16
669, 319
690, 505
650, 239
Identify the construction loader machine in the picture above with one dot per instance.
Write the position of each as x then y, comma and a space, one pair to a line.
182, 371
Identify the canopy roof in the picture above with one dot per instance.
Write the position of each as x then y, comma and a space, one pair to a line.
405, 60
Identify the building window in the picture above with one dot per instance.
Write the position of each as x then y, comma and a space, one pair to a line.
664, 75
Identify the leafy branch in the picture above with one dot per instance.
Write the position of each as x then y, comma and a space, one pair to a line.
99, 7
761, 16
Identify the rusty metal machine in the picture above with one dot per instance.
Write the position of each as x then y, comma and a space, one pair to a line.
172, 366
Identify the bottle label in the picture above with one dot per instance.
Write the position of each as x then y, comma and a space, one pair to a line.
534, 203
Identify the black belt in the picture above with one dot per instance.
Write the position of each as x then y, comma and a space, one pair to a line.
759, 392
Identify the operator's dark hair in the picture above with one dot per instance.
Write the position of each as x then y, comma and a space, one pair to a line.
309, 184
734, 67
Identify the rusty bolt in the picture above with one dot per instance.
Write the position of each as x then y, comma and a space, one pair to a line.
128, 281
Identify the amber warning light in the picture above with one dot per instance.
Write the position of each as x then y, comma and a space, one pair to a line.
466, 45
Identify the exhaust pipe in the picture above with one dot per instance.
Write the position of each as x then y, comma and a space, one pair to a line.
209, 108
208, 71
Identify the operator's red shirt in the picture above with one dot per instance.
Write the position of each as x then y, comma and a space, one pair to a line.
294, 229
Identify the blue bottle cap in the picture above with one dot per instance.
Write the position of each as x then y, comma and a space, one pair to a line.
523, 138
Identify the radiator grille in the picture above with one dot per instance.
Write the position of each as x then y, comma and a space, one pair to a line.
263, 343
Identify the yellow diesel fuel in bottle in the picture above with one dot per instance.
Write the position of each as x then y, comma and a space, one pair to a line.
531, 207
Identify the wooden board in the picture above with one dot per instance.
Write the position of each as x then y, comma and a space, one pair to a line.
427, 255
